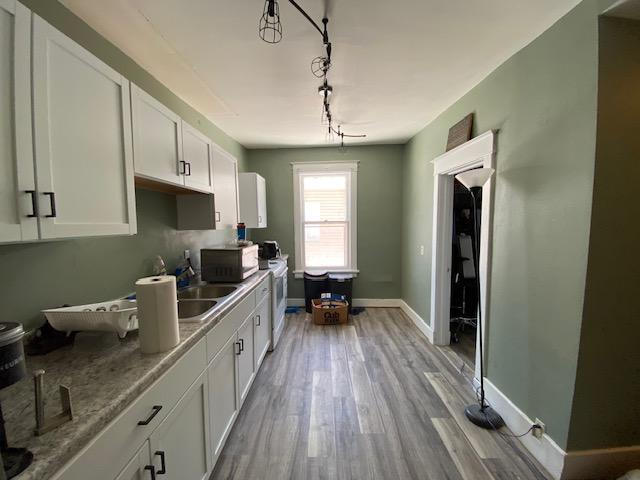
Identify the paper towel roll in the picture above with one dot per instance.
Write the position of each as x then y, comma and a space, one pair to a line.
157, 313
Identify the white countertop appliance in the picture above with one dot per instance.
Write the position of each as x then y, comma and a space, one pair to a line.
279, 272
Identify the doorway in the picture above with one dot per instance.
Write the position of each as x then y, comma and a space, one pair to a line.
476, 153
463, 304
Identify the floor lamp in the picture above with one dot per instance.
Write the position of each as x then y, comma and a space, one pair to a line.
480, 414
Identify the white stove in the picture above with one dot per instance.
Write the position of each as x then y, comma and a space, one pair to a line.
279, 272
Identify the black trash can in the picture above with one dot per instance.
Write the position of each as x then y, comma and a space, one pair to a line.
342, 284
314, 287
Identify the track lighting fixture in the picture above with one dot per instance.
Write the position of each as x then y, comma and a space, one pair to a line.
325, 90
270, 30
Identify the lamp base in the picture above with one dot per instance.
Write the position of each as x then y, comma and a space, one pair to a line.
15, 460
484, 417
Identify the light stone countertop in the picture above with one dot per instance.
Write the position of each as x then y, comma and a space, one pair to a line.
105, 375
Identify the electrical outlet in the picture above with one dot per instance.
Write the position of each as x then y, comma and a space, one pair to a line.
539, 429
187, 254
422, 250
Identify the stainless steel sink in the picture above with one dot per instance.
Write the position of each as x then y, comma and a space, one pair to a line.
194, 308
205, 292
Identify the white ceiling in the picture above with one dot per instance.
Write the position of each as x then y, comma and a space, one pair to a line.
396, 66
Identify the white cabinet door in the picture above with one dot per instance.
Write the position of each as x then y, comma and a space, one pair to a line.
262, 201
262, 331
225, 188
82, 131
18, 198
223, 401
253, 200
245, 359
180, 446
196, 149
157, 139
139, 468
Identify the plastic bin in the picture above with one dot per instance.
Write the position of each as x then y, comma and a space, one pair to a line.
342, 284
314, 287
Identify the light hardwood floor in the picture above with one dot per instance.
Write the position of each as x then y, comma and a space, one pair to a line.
369, 400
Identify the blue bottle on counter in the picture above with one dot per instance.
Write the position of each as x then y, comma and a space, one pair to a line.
242, 231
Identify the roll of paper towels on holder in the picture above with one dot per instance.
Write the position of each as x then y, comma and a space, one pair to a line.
157, 313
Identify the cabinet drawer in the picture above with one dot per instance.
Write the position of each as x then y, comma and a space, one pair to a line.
218, 335
263, 289
108, 453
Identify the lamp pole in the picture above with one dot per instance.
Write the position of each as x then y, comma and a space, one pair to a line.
479, 414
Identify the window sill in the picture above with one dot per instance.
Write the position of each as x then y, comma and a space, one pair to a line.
300, 273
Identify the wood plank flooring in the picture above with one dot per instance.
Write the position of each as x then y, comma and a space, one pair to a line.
369, 400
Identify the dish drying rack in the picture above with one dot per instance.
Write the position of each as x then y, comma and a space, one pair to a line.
119, 316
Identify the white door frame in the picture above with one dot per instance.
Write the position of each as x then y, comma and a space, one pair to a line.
476, 153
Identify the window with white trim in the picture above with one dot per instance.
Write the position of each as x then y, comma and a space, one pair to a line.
325, 197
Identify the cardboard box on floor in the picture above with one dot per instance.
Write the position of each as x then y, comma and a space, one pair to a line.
330, 312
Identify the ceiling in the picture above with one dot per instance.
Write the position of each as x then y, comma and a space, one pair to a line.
396, 64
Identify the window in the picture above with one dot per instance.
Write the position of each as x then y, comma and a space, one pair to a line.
325, 216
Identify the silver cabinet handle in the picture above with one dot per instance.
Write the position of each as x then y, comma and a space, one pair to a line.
258, 319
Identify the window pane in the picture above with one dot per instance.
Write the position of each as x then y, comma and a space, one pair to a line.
325, 245
325, 198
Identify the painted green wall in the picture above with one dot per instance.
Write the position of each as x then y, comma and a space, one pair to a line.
379, 211
543, 101
608, 379
49, 274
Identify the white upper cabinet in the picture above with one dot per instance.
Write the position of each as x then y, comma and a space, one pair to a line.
225, 188
18, 198
157, 139
82, 138
253, 200
196, 149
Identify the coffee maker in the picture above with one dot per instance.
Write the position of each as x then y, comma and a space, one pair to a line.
13, 460
269, 250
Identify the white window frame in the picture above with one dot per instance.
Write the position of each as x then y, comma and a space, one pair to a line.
352, 215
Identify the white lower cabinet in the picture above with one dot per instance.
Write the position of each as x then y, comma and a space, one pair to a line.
245, 359
262, 330
177, 428
139, 467
180, 445
223, 400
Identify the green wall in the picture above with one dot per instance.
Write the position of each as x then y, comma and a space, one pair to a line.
379, 210
608, 379
49, 274
543, 101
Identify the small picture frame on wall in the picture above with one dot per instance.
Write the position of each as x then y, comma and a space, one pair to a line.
460, 132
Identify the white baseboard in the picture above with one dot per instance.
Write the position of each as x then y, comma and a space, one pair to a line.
600, 463
295, 302
426, 330
545, 450
574, 465
357, 302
